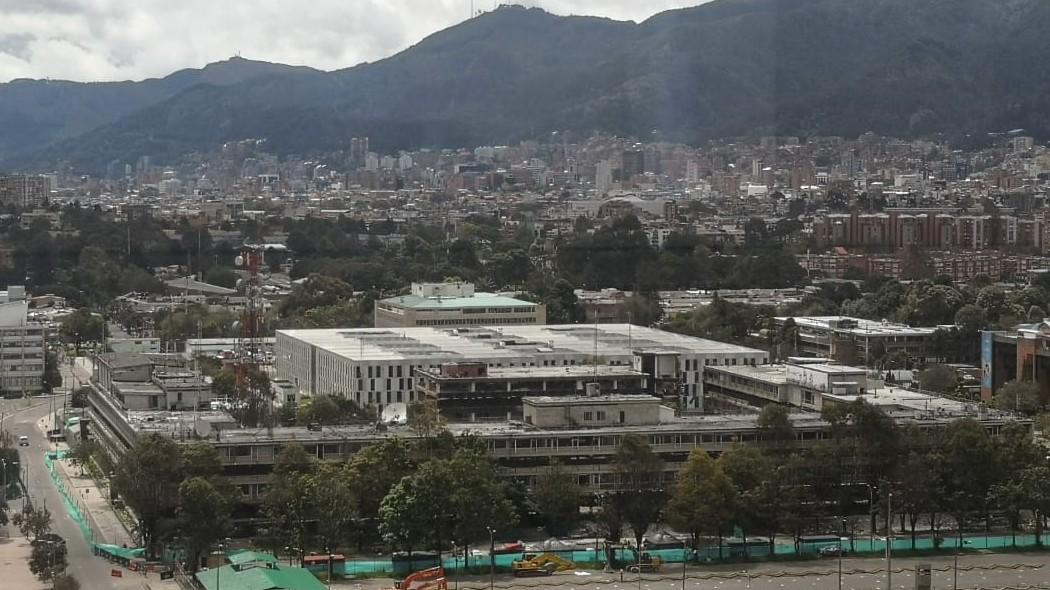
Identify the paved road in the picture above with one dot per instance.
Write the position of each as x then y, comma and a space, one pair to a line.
986, 571
91, 571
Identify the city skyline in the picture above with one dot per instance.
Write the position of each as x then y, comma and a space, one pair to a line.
120, 40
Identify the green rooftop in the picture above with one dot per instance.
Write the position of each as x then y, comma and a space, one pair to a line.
259, 577
478, 300
242, 556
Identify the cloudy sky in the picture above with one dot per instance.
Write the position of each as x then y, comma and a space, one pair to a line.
135, 39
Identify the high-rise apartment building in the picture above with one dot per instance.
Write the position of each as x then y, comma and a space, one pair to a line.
603, 177
24, 191
21, 350
633, 164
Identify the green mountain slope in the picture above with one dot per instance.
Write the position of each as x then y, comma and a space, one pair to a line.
726, 68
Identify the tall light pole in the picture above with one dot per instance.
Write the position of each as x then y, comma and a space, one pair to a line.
840, 552
889, 541
685, 558
871, 513
492, 556
639, 566
455, 564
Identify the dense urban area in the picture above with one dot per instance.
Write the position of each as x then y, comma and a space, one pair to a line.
608, 359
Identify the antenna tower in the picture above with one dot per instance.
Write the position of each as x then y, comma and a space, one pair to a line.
250, 345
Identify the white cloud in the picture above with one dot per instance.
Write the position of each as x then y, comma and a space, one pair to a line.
135, 39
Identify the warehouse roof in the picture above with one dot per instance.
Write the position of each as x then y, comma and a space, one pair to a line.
613, 343
479, 300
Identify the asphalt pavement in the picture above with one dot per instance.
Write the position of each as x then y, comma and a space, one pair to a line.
92, 572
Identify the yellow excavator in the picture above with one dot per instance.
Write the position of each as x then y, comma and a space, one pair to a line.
543, 564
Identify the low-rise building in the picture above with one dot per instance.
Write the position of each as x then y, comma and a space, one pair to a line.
803, 386
857, 341
455, 304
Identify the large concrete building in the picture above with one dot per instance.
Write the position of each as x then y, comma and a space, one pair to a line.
377, 367
471, 391
583, 432
24, 191
1021, 354
22, 353
453, 305
804, 386
854, 341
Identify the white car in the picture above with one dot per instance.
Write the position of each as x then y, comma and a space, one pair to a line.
23, 441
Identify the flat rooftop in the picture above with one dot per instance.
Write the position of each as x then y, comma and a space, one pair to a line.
834, 369
478, 300
588, 400
773, 374
490, 344
535, 373
862, 327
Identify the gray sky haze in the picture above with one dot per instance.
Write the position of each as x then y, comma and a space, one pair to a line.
102, 40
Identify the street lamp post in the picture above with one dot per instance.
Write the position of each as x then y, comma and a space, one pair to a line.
840, 552
222, 559
685, 558
639, 566
871, 513
889, 541
492, 557
455, 564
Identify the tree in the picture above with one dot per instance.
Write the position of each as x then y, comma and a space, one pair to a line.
478, 498
82, 326
52, 376
424, 419
221, 276
32, 522
405, 516
328, 409
82, 454
333, 501
224, 385
971, 467
288, 502
1018, 396
704, 498
774, 424
374, 471
753, 477
203, 517
917, 487
201, 459
640, 489
147, 478
48, 560
1011, 497
557, 496
643, 310
939, 378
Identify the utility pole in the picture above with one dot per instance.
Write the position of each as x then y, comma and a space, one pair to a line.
889, 541
492, 557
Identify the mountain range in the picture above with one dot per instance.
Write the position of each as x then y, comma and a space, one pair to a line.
725, 68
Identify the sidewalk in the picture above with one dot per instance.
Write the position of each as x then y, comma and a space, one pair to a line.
91, 500
14, 561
